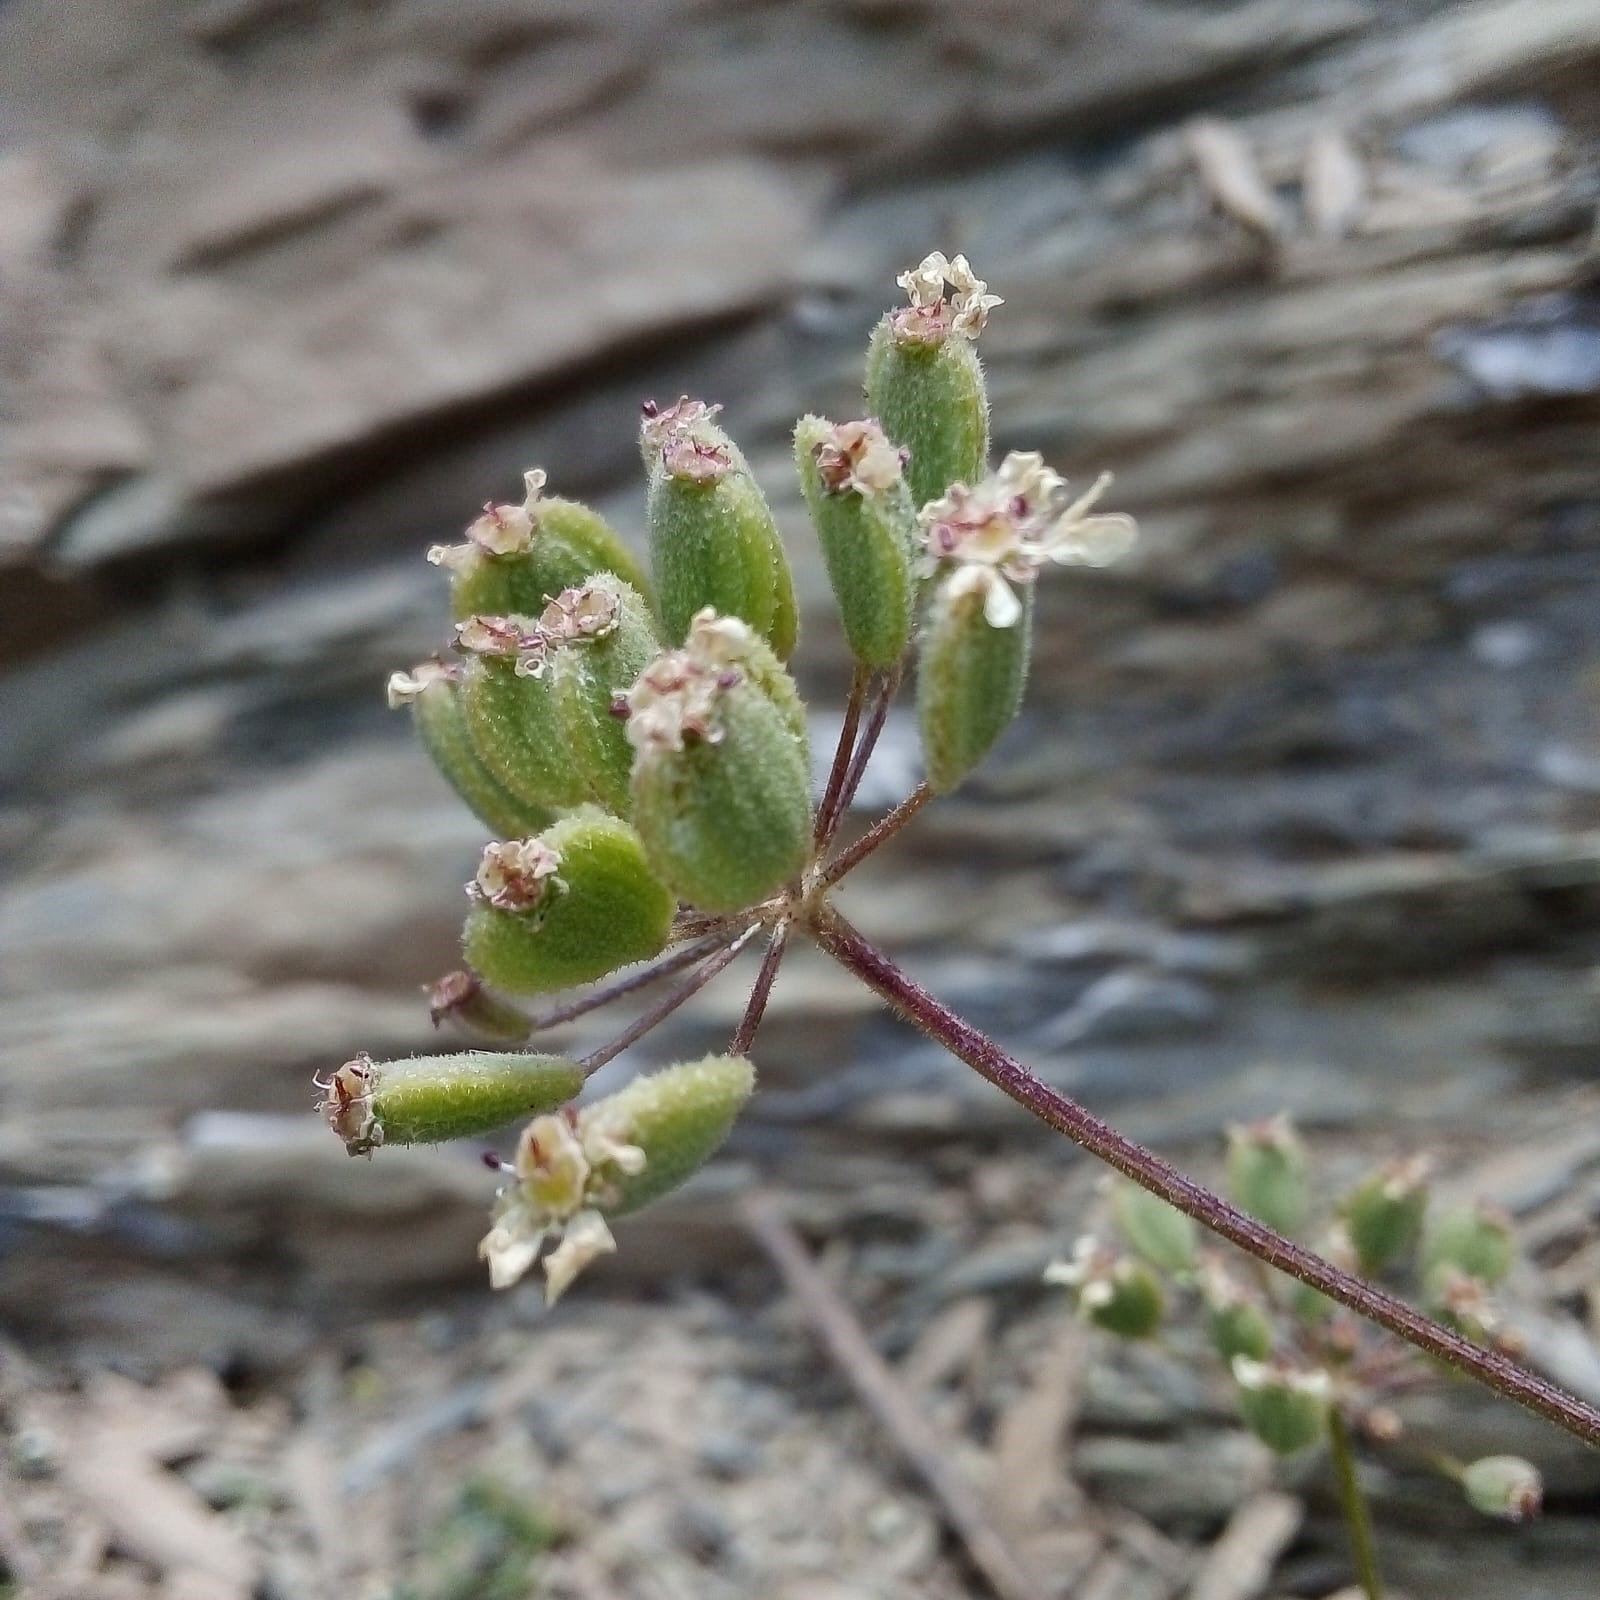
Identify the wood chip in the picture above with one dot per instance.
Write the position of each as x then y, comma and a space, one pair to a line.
1239, 1565
1232, 176
1333, 184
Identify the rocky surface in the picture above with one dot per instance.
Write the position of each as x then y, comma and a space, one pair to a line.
1305, 811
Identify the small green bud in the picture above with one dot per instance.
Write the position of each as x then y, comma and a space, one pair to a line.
565, 908
1464, 1303
515, 558
1161, 1233
1504, 1486
970, 678
855, 488
428, 1099
1474, 1240
721, 782
1267, 1173
574, 1170
713, 541
460, 997
600, 638
1116, 1293
924, 380
1285, 1407
1383, 1213
432, 690
1236, 1320
511, 712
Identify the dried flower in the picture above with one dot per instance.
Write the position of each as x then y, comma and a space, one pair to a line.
512, 875
932, 315
586, 612
684, 440
859, 456
519, 638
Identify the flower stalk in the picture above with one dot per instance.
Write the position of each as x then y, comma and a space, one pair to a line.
1149, 1171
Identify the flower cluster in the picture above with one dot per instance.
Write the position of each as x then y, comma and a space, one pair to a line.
685, 439
499, 530
565, 1169
512, 874
859, 456
932, 314
1002, 530
675, 699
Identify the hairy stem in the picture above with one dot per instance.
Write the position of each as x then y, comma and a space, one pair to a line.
1353, 1504
762, 992
867, 743
596, 998
1100, 1139
665, 1006
886, 827
829, 808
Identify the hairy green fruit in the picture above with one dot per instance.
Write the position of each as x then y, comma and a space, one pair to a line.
1161, 1233
970, 678
1267, 1174
679, 1118
1504, 1486
1383, 1215
932, 400
713, 540
433, 692
721, 777
566, 908
428, 1099
515, 728
1239, 1328
860, 504
516, 558
1475, 1241
602, 636
1286, 1408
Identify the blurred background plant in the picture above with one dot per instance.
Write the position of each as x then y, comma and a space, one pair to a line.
1302, 813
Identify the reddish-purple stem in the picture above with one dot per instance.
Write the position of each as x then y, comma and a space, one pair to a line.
1100, 1139
842, 752
762, 992
886, 827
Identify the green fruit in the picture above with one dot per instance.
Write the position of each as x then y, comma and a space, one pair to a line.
1383, 1216
587, 675
1161, 1233
713, 540
1473, 1240
866, 531
931, 398
1267, 1174
727, 822
679, 1117
428, 1099
1127, 1301
970, 679
601, 908
1239, 1328
1287, 1410
441, 724
565, 545
518, 733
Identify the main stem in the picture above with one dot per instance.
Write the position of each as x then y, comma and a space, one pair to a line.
1100, 1139
1353, 1503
